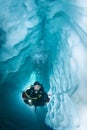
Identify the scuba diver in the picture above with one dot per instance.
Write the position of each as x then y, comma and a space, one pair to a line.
35, 95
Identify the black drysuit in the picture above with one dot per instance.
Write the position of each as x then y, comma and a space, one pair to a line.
38, 97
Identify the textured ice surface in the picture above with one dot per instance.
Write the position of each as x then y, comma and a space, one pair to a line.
46, 40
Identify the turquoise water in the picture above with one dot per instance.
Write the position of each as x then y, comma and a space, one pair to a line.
43, 40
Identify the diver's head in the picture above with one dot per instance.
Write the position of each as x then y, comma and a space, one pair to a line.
37, 85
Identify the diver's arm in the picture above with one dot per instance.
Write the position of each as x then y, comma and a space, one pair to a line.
29, 91
46, 98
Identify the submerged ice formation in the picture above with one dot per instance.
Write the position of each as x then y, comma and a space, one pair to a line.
47, 38
68, 76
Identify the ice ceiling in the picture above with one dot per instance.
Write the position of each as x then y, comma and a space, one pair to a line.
44, 40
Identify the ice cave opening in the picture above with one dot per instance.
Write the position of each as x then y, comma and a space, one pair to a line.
44, 40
